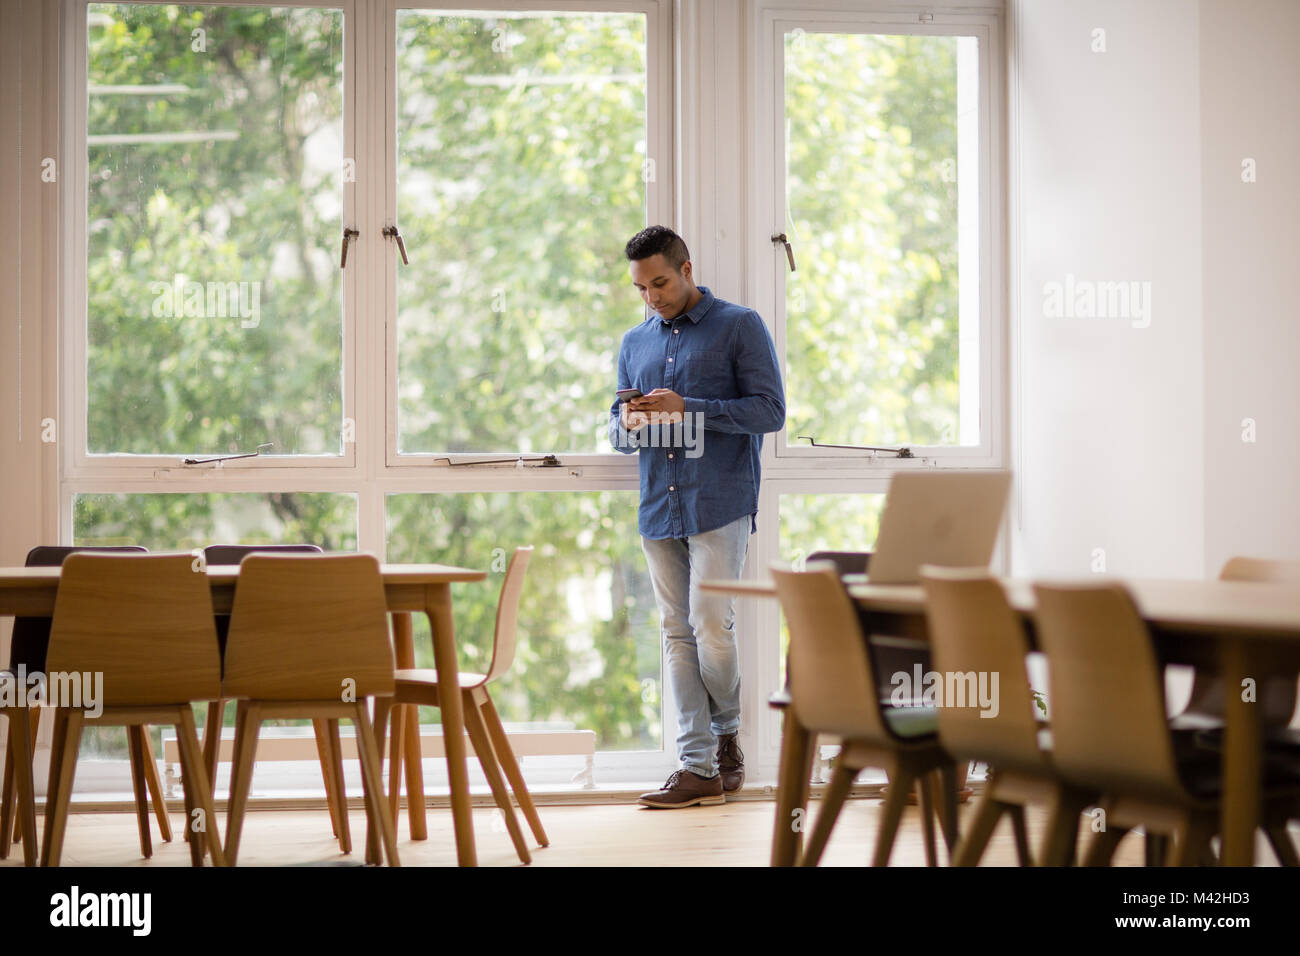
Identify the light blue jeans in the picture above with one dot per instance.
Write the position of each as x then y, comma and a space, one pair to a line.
699, 631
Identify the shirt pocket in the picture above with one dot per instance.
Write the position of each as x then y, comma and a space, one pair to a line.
708, 374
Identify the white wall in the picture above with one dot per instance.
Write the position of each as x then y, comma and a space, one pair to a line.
1250, 98
1106, 183
1126, 164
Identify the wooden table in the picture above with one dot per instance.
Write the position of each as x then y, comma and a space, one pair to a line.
410, 588
1239, 629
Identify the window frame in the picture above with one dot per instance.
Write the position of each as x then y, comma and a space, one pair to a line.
773, 18
660, 192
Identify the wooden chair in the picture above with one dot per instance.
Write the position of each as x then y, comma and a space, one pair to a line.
327, 731
974, 630
308, 638
145, 623
420, 686
31, 639
833, 687
1110, 732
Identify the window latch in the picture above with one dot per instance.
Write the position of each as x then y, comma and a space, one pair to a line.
903, 452
547, 461
348, 236
392, 233
208, 461
789, 250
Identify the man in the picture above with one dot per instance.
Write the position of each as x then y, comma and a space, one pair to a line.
707, 370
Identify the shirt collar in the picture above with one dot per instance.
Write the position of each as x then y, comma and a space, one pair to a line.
696, 312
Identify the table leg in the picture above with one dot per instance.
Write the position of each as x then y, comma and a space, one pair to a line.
1243, 758
792, 790
438, 608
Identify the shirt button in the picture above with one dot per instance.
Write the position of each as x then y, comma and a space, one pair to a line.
670, 358
675, 331
670, 454
672, 487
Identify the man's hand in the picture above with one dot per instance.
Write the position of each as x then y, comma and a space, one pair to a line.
632, 420
667, 403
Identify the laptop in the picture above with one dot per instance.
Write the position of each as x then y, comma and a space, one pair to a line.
948, 518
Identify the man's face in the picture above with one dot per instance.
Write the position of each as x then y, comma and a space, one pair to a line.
662, 287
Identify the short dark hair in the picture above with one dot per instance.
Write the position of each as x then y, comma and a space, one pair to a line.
658, 240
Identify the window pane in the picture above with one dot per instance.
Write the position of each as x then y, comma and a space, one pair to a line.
522, 171
182, 522
882, 169
825, 522
215, 171
588, 653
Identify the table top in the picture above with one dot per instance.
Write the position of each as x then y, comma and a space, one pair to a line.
1209, 606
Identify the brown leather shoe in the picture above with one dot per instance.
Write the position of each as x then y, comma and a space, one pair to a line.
731, 763
685, 789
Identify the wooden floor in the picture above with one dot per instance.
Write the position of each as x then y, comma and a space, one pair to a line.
738, 834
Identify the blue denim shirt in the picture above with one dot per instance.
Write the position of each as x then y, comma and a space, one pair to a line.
720, 358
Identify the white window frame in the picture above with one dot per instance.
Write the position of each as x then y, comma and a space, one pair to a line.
773, 19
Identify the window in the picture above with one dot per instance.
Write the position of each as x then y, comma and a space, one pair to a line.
882, 138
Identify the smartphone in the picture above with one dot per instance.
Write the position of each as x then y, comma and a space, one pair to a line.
625, 393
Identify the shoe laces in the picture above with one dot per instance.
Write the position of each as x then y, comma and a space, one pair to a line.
731, 753
673, 779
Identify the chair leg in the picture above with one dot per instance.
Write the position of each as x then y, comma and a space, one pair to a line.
35, 723
20, 787
156, 788
487, 759
1280, 840
971, 846
1155, 849
247, 725
384, 709
212, 725
390, 726
135, 743
193, 770
326, 770
1103, 845
509, 766
1062, 835
895, 799
372, 784
340, 789
63, 768
946, 781
925, 801
7, 817
841, 781
1191, 840
192, 825
1023, 856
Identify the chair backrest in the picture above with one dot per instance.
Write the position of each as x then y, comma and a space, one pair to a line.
832, 685
505, 637
31, 636
975, 634
846, 562
234, 553
308, 627
220, 554
1261, 569
1106, 691
144, 621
